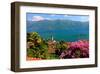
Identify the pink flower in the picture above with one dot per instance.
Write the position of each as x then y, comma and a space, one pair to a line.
77, 49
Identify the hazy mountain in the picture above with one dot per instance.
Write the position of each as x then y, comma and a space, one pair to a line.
61, 28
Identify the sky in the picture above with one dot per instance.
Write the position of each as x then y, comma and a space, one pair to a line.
42, 16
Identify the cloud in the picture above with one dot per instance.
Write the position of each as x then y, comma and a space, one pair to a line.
37, 18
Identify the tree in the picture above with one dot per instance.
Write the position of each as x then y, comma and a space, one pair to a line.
60, 46
39, 48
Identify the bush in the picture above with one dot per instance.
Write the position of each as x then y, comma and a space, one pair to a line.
38, 47
78, 49
60, 46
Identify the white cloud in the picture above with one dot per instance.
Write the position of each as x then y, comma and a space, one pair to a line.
37, 18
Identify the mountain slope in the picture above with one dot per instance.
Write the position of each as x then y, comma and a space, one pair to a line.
60, 29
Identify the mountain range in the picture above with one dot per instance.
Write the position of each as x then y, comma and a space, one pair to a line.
67, 30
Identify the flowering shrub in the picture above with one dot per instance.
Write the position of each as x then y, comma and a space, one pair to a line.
78, 49
38, 48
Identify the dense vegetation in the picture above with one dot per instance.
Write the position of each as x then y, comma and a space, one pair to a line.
39, 48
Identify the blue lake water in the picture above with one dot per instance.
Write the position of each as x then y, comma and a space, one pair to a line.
66, 30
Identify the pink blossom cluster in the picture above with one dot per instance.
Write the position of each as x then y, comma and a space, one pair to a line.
77, 49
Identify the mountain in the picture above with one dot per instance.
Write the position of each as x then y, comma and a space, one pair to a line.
59, 28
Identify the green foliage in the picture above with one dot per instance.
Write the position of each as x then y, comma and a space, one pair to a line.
53, 56
61, 46
77, 53
39, 48
34, 37
30, 52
